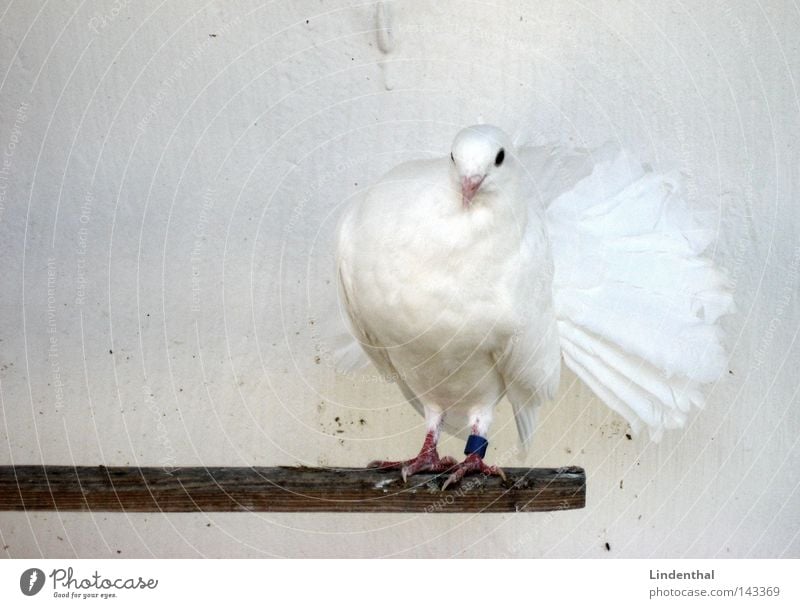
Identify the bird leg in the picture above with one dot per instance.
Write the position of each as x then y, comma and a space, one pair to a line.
473, 463
427, 460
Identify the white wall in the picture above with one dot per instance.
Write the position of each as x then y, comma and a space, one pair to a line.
171, 182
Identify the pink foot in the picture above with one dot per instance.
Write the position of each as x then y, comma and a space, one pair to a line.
427, 460
472, 464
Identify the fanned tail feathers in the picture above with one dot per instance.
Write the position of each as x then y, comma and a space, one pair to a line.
637, 303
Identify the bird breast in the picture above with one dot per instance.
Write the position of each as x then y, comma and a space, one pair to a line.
433, 284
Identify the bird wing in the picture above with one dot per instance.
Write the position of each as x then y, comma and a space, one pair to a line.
531, 362
359, 340
637, 303
530, 367
356, 323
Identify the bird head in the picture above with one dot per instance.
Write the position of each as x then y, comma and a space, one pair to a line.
480, 157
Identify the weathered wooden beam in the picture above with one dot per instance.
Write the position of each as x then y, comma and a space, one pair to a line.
288, 489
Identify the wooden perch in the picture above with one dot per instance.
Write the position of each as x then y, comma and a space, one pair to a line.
289, 489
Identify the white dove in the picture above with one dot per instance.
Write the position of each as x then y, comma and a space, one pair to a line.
468, 278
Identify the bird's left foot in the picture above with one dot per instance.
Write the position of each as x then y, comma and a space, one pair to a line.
472, 464
427, 460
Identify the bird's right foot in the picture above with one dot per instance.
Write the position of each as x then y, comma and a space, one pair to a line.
427, 460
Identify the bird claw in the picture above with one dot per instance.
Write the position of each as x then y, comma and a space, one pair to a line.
472, 464
427, 461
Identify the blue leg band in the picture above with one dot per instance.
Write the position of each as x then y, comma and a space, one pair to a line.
476, 445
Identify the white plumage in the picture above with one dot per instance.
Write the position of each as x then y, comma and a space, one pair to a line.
468, 278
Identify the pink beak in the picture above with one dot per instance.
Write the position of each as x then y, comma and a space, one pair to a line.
469, 186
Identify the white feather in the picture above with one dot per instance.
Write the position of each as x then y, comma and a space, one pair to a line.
574, 253
636, 301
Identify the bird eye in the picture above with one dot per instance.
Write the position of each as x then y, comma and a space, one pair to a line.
498, 160
452, 157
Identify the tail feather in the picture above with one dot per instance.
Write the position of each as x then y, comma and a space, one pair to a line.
603, 392
637, 303
525, 418
647, 377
